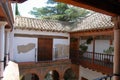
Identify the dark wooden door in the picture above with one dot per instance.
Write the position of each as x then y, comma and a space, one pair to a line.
45, 47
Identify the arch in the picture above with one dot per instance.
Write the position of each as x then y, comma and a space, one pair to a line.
30, 76
69, 74
65, 69
52, 75
25, 72
52, 69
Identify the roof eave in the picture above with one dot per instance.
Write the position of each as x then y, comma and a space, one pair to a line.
18, 1
95, 5
6, 8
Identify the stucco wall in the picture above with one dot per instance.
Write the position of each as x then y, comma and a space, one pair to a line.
32, 32
89, 74
20, 53
100, 45
64, 53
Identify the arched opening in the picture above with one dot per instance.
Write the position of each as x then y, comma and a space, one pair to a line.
69, 75
30, 77
52, 75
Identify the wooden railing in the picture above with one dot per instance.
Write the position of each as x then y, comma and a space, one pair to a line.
99, 58
44, 65
108, 77
99, 61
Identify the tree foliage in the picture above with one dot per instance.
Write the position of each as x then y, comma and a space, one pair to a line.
16, 10
59, 11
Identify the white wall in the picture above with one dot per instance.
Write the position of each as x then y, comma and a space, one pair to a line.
24, 57
11, 46
100, 45
30, 56
89, 74
61, 42
32, 32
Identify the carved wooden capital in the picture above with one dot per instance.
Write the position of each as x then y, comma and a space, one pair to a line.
116, 21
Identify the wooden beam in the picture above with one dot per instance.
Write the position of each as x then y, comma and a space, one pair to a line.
92, 33
101, 6
106, 5
18, 1
40, 36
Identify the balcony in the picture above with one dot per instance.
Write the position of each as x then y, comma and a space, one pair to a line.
44, 64
99, 62
42, 68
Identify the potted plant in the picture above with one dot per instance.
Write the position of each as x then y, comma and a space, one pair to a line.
84, 46
108, 51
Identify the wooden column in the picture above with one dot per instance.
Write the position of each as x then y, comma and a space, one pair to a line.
2, 43
116, 69
74, 43
74, 47
76, 70
93, 49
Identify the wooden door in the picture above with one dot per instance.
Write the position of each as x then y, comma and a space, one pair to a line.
45, 47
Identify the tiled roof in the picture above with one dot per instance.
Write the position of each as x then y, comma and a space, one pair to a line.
41, 25
94, 22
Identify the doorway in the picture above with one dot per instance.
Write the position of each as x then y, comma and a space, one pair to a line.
45, 47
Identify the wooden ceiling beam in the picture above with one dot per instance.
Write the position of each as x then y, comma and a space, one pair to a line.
109, 7
93, 33
7, 12
18, 1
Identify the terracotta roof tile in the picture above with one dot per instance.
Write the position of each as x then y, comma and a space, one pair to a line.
42, 25
94, 22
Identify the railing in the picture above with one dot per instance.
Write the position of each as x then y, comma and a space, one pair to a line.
43, 64
60, 55
108, 77
97, 58
57, 54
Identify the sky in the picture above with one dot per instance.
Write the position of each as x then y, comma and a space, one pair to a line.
26, 7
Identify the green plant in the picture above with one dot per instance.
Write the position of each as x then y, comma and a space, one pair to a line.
89, 40
110, 50
83, 47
